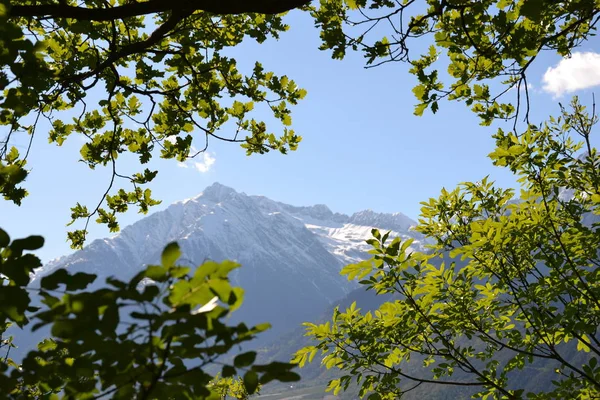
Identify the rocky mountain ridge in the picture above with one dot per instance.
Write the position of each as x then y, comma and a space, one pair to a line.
291, 256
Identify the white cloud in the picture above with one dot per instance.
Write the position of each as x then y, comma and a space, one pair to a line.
206, 161
529, 87
580, 71
171, 139
202, 162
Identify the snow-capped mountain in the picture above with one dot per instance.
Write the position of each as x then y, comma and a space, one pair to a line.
291, 256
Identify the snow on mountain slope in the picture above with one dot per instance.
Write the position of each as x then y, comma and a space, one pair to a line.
291, 256
345, 236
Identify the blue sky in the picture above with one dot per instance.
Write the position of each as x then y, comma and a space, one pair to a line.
362, 147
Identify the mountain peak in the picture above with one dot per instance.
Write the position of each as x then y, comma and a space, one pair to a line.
320, 211
289, 253
218, 192
396, 221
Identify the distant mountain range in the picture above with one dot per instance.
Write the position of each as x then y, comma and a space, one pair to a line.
291, 256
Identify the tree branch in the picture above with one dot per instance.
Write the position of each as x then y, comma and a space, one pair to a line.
223, 7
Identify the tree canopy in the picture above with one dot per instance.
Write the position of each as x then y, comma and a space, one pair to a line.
152, 337
152, 83
518, 286
157, 81
477, 41
166, 87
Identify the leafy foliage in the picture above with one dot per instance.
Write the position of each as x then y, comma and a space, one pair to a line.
527, 289
151, 337
167, 86
16, 265
481, 41
128, 84
233, 388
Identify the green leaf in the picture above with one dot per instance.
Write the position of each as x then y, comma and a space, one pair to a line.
64, 329
4, 238
419, 109
78, 281
532, 9
157, 273
250, 381
110, 320
244, 359
228, 371
47, 345
29, 243
170, 255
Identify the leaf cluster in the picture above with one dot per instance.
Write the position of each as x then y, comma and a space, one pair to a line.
131, 84
477, 42
147, 338
507, 282
231, 387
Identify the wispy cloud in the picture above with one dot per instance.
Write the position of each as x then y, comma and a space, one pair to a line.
203, 162
530, 87
208, 160
580, 71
